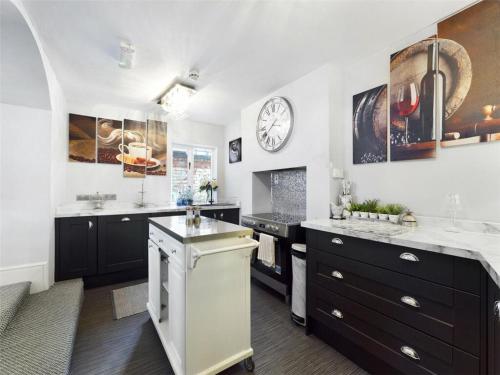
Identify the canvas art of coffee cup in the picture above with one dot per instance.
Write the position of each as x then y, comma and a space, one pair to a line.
137, 150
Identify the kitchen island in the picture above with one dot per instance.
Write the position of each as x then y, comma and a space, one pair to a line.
199, 292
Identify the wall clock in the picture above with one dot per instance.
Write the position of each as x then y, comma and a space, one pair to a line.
274, 124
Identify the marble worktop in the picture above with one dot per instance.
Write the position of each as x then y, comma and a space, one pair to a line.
75, 210
209, 229
431, 235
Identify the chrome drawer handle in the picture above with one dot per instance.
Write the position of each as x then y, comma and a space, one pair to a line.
222, 214
496, 309
337, 313
151, 233
91, 224
410, 301
337, 275
409, 257
125, 219
337, 241
173, 251
410, 352
150, 246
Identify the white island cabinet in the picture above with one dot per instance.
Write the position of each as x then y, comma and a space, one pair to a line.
199, 293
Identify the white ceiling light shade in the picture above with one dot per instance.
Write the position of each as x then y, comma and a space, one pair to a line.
176, 100
127, 54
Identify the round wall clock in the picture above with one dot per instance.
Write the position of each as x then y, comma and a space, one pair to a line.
275, 123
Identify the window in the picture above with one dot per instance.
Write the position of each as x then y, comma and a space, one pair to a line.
190, 166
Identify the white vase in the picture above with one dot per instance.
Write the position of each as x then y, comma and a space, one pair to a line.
394, 219
363, 215
373, 215
383, 217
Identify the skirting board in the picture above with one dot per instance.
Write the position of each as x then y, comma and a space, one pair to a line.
37, 273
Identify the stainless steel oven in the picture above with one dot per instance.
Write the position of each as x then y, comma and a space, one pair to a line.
285, 230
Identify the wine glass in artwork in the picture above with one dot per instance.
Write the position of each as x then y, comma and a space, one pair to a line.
407, 101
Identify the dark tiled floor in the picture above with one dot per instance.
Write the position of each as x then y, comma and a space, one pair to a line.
131, 345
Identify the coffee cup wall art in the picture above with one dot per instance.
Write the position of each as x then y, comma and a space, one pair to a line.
157, 142
134, 150
109, 138
82, 138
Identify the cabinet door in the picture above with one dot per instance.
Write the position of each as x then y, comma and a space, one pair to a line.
122, 242
493, 328
212, 214
76, 247
176, 306
231, 216
154, 279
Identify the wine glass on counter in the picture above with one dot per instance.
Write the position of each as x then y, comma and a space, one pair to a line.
407, 101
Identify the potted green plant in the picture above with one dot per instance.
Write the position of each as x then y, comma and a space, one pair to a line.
354, 209
383, 213
371, 206
363, 210
395, 211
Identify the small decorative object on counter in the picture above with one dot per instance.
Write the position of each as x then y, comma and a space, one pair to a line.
336, 211
383, 213
209, 186
189, 216
197, 216
371, 206
409, 220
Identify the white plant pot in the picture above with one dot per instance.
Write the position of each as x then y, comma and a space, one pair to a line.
373, 215
383, 217
363, 215
355, 214
394, 219
346, 213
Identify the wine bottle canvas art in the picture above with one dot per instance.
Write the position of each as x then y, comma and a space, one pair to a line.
468, 55
413, 110
369, 126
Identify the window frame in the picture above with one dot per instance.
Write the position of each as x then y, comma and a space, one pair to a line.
189, 149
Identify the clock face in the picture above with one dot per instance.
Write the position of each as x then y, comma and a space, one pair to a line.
275, 123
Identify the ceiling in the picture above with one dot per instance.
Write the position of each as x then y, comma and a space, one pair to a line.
22, 75
242, 49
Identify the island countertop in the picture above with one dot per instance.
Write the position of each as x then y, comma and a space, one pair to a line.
484, 247
209, 229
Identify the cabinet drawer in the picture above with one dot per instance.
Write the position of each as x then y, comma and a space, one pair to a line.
405, 348
440, 311
174, 249
442, 269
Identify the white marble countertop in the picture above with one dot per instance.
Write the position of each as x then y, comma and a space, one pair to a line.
484, 247
129, 209
209, 229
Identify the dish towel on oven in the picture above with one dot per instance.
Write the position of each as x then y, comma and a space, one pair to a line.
266, 250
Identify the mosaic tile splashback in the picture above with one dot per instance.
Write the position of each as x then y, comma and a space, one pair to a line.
288, 192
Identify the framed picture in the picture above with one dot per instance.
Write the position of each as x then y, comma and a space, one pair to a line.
412, 102
134, 150
235, 151
470, 65
109, 138
157, 140
369, 126
82, 142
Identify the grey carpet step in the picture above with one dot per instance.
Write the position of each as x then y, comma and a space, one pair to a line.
11, 298
39, 339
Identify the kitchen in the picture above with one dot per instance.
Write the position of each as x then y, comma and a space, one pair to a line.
285, 183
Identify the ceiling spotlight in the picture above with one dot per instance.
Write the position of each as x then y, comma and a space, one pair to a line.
127, 54
176, 100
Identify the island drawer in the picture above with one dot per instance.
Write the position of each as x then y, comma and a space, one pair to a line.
447, 270
448, 314
406, 349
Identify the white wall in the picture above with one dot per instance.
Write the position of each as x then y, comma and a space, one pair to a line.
472, 171
25, 162
308, 146
85, 178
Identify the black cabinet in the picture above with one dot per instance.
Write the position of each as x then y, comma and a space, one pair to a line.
122, 243
493, 328
400, 310
76, 247
231, 215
